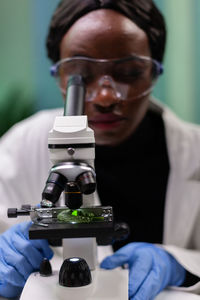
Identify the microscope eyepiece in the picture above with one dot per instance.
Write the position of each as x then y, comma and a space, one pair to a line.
75, 96
75, 80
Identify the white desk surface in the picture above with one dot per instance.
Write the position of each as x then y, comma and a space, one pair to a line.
176, 295
165, 295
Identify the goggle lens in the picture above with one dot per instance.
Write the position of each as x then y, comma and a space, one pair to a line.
127, 78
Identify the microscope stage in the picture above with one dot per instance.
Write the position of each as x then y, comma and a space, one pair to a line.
103, 231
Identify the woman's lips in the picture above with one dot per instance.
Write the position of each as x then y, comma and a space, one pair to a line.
106, 121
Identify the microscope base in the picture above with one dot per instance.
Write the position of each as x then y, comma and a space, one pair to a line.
106, 284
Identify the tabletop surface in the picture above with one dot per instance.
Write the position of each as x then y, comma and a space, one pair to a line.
176, 295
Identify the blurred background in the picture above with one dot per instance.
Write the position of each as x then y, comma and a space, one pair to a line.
25, 83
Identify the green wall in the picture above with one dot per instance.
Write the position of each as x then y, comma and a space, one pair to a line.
180, 83
16, 76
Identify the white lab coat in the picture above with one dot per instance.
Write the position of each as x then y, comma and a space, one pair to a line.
24, 167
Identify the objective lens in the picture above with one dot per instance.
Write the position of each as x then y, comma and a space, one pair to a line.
87, 183
73, 196
54, 186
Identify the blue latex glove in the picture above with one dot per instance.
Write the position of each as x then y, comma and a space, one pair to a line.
151, 269
19, 257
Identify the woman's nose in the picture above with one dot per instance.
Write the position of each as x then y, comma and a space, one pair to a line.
106, 95
105, 109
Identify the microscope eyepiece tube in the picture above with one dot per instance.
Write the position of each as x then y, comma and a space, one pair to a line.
75, 96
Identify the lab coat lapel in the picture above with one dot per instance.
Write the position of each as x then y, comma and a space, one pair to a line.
183, 192
182, 206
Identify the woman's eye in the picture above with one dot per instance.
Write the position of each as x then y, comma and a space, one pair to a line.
88, 75
87, 78
129, 75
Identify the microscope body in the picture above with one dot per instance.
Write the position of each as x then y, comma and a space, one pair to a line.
77, 218
71, 146
72, 152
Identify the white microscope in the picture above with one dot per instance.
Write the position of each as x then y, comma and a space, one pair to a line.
80, 223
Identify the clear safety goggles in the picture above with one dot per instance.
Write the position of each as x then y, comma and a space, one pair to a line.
127, 78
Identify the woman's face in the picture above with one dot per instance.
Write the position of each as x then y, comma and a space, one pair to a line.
106, 34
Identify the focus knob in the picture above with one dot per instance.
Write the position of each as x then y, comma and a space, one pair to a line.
12, 213
45, 268
74, 272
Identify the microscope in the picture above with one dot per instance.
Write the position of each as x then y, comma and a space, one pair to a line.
70, 213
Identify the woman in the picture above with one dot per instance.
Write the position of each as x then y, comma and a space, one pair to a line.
117, 47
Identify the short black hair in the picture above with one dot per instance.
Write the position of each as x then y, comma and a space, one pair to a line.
144, 13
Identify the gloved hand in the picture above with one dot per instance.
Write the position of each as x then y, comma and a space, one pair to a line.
19, 257
151, 269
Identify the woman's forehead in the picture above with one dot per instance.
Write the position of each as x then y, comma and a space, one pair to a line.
107, 18
101, 32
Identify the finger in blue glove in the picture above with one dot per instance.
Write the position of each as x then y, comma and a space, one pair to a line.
19, 257
151, 269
